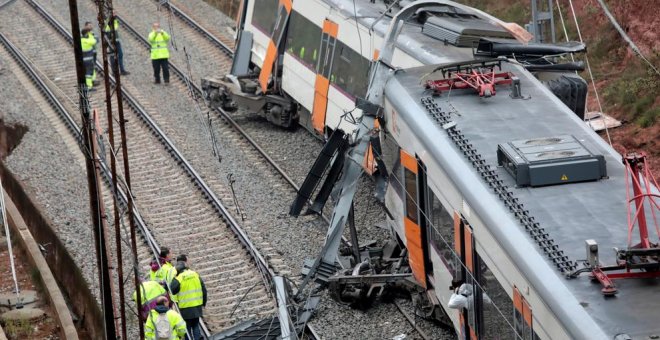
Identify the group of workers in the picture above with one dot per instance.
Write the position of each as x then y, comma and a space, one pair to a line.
164, 285
158, 39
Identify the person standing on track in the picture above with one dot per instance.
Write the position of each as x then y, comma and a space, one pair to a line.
165, 272
164, 323
119, 52
88, 42
90, 34
160, 53
149, 293
191, 295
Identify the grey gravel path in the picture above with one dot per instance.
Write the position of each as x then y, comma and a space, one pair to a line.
50, 172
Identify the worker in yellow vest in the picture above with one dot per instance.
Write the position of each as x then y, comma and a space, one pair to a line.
149, 292
162, 270
88, 25
160, 53
164, 323
88, 42
191, 295
119, 53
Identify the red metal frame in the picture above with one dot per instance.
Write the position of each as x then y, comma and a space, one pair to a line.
482, 81
639, 175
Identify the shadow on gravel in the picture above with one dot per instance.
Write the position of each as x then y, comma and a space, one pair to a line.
10, 137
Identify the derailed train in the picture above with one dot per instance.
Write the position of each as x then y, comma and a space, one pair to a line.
498, 190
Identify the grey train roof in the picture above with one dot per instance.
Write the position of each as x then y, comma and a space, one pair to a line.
411, 40
570, 213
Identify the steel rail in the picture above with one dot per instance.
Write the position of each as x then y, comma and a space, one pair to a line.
199, 28
73, 127
262, 265
198, 91
196, 26
227, 50
6, 3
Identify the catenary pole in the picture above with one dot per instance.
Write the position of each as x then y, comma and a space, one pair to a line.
94, 192
113, 166
127, 173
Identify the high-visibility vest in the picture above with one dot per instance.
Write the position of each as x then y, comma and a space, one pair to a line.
166, 273
190, 294
150, 291
88, 43
107, 30
158, 43
177, 325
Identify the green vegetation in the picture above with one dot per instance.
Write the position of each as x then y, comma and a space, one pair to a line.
18, 329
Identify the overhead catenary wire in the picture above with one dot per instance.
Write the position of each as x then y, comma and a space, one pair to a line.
563, 26
591, 75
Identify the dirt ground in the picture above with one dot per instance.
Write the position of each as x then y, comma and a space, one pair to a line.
47, 327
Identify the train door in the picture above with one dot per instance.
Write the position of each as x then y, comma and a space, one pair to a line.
273, 50
414, 220
323, 69
464, 247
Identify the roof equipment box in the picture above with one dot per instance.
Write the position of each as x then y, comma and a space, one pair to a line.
548, 161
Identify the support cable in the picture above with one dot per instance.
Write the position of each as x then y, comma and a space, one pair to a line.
9, 246
626, 37
591, 75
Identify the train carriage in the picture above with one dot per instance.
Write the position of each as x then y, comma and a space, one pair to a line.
496, 187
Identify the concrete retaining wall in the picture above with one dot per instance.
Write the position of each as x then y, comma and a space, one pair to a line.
62, 265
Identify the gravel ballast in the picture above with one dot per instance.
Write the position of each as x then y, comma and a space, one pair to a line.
263, 196
50, 173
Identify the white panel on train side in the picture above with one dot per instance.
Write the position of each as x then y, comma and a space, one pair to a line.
443, 279
314, 10
259, 39
545, 323
298, 81
338, 103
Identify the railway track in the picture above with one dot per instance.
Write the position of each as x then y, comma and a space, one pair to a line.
206, 38
220, 50
176, 211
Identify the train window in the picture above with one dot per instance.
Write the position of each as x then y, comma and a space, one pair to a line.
391, 157
280, 24
264, 15
328, 44
496, 319
441, 230
411, 194
304, 39
350, 71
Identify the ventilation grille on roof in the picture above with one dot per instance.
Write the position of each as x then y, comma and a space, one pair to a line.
547, 161
461, 30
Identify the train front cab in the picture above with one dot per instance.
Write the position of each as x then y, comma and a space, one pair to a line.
444, 252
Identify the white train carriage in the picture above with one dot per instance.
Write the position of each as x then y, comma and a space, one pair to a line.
471, 214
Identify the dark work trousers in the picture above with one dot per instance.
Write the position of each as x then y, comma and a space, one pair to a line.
120, 54
193, 328
158, 64
89, 72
